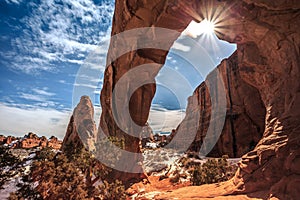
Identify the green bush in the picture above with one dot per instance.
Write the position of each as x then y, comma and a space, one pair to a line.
212, 171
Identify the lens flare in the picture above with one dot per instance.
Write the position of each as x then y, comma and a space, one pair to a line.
204, 27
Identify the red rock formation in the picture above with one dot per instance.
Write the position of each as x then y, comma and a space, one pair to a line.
244, 123
31, 140
43, 141
10, 139
129, 15
54, 142
81, 128
268, 38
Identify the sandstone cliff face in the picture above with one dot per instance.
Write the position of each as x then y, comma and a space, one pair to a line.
129, 15
268, 38
268, 44
245, 113
81, 129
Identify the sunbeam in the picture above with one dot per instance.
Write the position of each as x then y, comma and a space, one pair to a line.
196, 29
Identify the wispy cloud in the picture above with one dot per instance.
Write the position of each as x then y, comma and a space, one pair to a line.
41, 97
179, 46
43, 92
32, 97
13, 1
93, 86
57, 31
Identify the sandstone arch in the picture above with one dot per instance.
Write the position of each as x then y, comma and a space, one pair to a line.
268, 38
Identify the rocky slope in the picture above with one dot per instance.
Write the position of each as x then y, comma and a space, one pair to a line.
29, 141
268, 38
245, 113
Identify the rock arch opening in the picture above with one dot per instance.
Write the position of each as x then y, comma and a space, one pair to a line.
242, 128
267, 34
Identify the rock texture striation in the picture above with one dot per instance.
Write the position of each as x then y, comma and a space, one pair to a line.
245, 113
268, 38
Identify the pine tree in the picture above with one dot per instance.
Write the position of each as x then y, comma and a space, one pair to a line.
69, 175
56, 178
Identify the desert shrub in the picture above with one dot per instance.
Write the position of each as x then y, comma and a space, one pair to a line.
111, 191
46, 153
187, 163
212, 171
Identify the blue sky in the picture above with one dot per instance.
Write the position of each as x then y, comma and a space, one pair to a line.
45, 46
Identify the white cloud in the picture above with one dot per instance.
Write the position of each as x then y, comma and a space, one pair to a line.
63, 82
56, 32
39, 96
43, 92
161, 119
13, 1
79, 62
85, 85
181, 47
42, 121
32, 97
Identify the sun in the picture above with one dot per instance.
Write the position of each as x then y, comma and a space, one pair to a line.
195, 29
208, 27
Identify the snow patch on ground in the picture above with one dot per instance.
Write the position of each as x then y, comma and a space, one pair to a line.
159, 159
11, 186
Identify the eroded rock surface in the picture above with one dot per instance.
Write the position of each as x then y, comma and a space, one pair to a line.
31, 140
81, 129
245, 113
129, 15
268, 38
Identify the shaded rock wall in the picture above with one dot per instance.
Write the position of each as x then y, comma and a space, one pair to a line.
81, 129
268, 38
245, 113
270, 62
